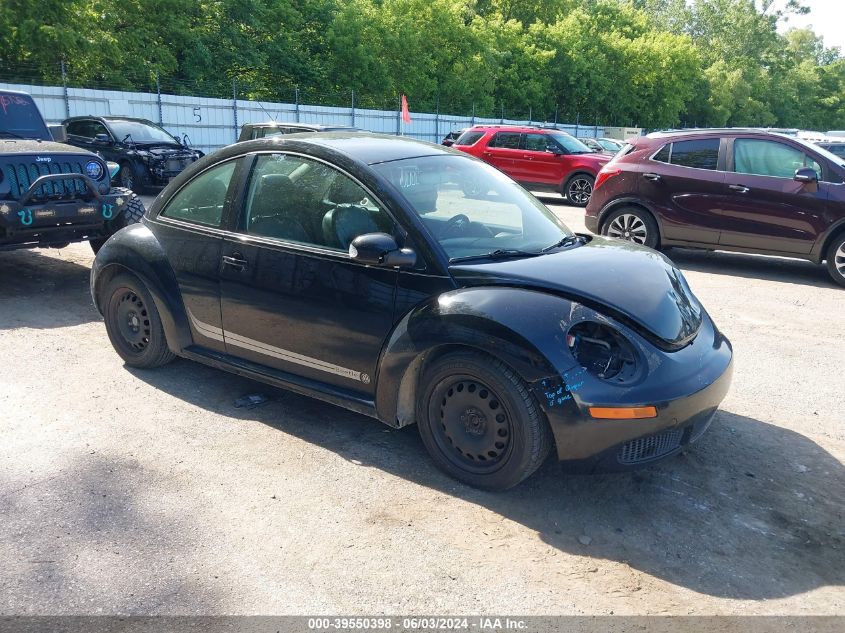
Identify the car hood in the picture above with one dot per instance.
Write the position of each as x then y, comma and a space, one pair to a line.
634, 284
28, 146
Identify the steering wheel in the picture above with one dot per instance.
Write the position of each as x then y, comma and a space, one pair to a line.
457, 224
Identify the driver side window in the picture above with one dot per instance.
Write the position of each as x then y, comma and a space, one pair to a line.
296, 199
769, 158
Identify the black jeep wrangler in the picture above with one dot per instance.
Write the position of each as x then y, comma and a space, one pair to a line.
52, 194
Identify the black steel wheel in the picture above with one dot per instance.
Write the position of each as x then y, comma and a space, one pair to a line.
578, 189
133, 324
836, 259
480, 423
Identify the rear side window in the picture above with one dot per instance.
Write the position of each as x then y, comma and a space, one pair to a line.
201, 201
469, 137
699, 154
507, 140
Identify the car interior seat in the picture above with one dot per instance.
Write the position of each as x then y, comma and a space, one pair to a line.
347, 219
273, 214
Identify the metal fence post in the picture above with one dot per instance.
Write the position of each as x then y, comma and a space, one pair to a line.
530, 115
437, 120
502, 120
64, 88
556, 107
577, 122
473, 114
399, 118
296, 96
353, 108
158, 95
235, 106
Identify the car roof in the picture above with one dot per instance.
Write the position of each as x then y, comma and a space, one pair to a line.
362, 147
310, 126
515, 128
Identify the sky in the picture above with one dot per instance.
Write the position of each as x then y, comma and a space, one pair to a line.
826, 17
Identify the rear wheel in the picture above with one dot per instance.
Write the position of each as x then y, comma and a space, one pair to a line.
479, 422
133, 324
578, 189
836, 259
633, 225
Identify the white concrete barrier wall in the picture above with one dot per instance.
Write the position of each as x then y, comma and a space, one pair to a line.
213, 123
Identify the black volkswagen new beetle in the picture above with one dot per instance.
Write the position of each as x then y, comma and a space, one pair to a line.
416, 284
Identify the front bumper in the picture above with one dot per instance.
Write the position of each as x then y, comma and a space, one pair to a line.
34, 221
686, 388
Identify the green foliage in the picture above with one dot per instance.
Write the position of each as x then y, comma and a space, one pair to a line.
652, 63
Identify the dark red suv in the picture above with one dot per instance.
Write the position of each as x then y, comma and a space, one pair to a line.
733, 189
538, 158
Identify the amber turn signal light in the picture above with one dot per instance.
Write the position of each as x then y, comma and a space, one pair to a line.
623, 413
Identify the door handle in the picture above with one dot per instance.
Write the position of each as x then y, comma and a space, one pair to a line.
739, 188
235, 260
652, 177
527, 157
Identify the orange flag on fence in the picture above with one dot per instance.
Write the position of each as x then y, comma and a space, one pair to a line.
406, 114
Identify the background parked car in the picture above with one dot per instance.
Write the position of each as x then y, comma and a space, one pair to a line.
538, 158
52, 194
834, 147
251, 131
148, 155
733, 189
602, 144
452, 136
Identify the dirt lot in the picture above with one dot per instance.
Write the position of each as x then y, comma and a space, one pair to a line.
125, 491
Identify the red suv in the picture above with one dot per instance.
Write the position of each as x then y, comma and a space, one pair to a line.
538, 158
733, 189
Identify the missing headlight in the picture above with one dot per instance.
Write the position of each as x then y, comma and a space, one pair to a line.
602, 351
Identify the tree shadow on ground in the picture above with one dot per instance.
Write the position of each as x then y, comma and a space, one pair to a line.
752, 512
39, 291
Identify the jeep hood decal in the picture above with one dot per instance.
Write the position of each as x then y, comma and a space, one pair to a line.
629, 281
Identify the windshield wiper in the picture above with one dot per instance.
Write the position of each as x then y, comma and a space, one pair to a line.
499, 253
566, 241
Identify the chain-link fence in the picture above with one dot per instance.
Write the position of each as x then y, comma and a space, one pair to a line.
211, 119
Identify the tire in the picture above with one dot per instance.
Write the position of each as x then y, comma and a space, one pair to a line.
479, 422
128, 178
578, 189
133, 324
836, 259
632, 224
132, 214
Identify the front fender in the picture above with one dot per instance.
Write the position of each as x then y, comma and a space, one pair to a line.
525, 329
136, 250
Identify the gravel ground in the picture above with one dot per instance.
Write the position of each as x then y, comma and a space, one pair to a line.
148, 492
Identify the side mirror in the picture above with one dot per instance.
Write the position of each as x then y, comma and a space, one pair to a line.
59, 133
555, 151
102, 138
806, 175
381, 249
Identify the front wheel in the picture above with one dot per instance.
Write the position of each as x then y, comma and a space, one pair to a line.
133, 324
132, 213
129, 178
578, 189
480, 423
633, 225
836, 259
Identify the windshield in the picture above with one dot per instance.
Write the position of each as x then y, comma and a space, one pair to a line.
613, 147
20, 118
571, 144
836, 160
140, 131
471, 208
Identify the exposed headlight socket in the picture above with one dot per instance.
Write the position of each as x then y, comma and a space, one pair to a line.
602, 351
